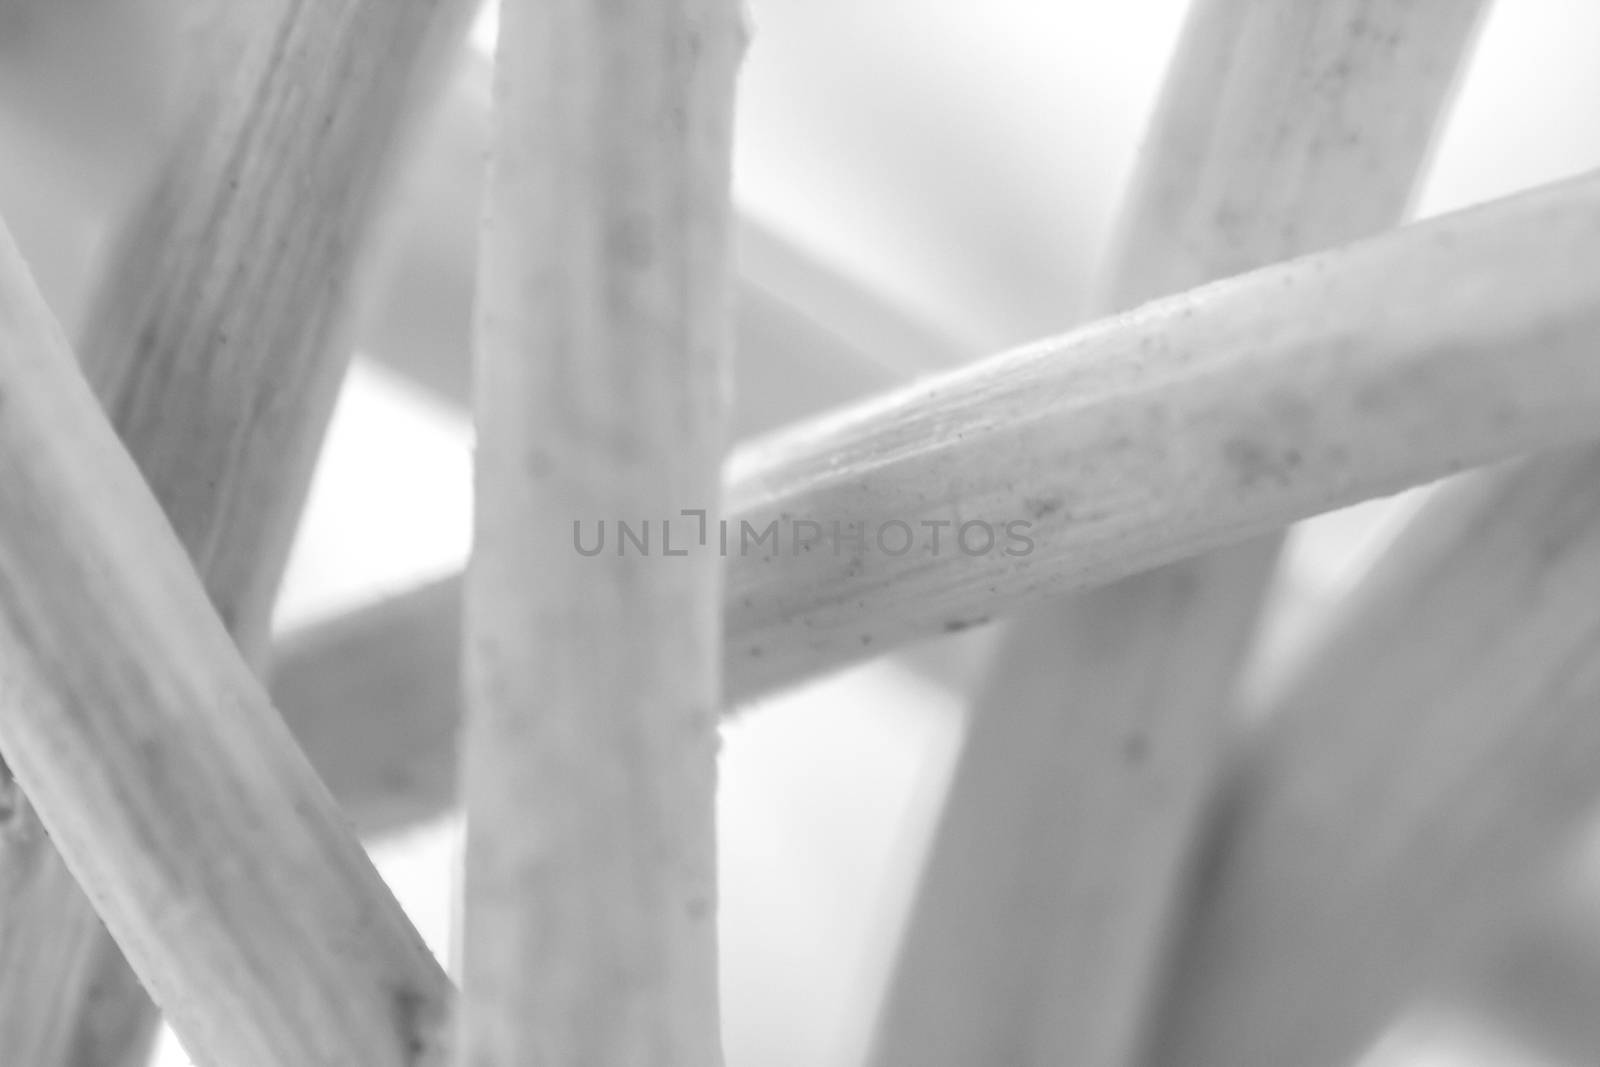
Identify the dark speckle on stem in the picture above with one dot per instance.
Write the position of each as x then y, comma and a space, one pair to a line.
1253, 463
422, 1025
1040, 506
13, 805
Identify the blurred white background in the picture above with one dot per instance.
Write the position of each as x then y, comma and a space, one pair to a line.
954, 165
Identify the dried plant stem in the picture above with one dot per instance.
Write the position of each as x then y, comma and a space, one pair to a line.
805, 337
173, 791
1420, 774
1282, 129
374, 699
589, 761
1194, 423
217, 354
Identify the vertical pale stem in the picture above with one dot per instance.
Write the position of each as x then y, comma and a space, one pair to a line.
216, 341
1042, 924
593, 682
